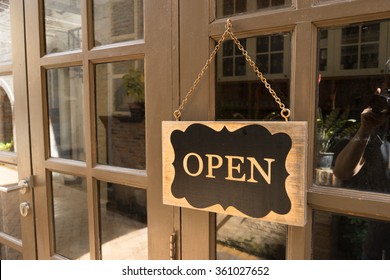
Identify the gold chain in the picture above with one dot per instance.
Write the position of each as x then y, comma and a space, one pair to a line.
285, 112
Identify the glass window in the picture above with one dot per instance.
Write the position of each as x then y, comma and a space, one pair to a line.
7, 253
242, 96
360, 46
239, 92
62, 25
248, 239
7, 116
352, 132
70, 216
339, 237
123, 222
66, 112
9, 202
120, 109
5, 33
232, 7
319, 2
117, 21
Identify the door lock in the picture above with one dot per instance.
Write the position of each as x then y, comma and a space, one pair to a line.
23, 185
24, 209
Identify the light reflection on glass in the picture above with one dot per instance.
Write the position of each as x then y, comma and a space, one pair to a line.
66, 113
62, 25
120, 109
117, 21
233, 7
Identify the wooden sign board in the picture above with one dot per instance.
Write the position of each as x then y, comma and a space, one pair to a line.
249, 169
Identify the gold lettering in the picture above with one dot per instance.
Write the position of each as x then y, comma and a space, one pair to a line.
211, 166
254, 163
185, 166
236, 167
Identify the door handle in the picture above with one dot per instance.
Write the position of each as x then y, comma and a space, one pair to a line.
24, 209
23, 186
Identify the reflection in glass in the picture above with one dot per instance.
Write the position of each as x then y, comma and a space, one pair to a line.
117, 21
7, 253
246, 239
123, 222
350, 72
9, 202
231, 7
66, 112
319, 2
239, 92
338, 237
7, 117
5, 33
70, 216
120, 109
62, 25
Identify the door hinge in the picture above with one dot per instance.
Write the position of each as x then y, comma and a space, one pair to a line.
172, 246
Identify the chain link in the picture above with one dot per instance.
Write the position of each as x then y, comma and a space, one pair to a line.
285, 112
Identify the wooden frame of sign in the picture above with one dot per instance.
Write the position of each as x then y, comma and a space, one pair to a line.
249, 169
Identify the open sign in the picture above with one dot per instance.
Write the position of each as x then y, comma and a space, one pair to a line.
253, 169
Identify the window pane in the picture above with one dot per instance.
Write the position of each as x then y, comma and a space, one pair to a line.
9, 202
370, 32
338, 237
5, 33
248, 239
349, 57
344, 93
123, 222
62, 25
319, 2
232, 7
7, 253
120, 107
66, 113
350, 35
239, 92
117, 21
70, 216
7, 117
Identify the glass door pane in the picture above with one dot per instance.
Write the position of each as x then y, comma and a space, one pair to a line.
62, 25
123, 222
66, 113
120, 106
118, 21
347, 104
240, 95
5, 33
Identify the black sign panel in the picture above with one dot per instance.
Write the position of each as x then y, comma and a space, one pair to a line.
212, 167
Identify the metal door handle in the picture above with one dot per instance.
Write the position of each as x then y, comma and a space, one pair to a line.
22, 186
24, 209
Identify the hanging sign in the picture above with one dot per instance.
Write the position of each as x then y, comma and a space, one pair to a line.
250, 169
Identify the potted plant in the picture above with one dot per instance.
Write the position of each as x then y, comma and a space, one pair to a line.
331, 129
135, 89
